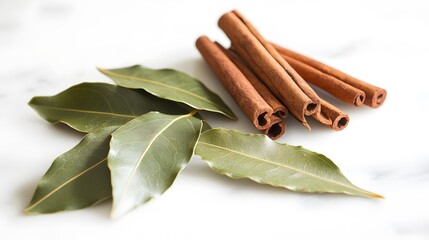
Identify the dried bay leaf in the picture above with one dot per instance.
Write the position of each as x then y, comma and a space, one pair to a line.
78, 178
146, 154
87, 107
262, 160
170, 84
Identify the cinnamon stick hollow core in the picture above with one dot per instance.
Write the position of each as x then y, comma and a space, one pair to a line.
249, 100
276, 129
270, 67
375, 96
332, 116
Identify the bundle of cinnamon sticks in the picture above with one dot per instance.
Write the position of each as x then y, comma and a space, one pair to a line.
268, 81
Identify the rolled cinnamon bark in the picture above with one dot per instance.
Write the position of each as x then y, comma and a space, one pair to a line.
270, 67
332, 85
331, 116
276, 129
375, 96
278, 108
249, 100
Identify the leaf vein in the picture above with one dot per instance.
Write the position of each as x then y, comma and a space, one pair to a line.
164, 85
90, 112
285, 166
146, 151
64, 184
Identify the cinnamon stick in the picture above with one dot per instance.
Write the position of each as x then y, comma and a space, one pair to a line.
332, 85
249, 100
276, 129
331, 116
375, 96
270, 67
279, 109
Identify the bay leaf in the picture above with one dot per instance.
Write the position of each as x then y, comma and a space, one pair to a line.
87, 107
170, 84
78, 178
265, 161
146, 154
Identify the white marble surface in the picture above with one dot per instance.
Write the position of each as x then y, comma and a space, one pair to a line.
47, 46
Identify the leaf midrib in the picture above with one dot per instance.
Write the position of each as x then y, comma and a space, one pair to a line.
291, 168
64, 184
147, 149
164, 85
89, 112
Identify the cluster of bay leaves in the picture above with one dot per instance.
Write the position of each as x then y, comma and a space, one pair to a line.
143, 130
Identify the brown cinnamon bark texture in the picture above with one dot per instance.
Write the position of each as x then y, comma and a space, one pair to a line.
279, 109
375, 96
331, 116
246, 96
332, 85
270, 67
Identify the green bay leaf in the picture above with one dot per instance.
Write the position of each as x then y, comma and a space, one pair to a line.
78, 178
170, 84
262, 160
146, 154
88, 107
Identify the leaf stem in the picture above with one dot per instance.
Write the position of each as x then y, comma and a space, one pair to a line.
193, 112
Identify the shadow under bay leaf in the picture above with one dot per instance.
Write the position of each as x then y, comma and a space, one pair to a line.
102, 209
24, 193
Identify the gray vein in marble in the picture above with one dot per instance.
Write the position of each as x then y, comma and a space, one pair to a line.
377, 175
412, 171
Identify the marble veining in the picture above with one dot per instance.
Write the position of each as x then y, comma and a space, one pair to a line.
47, 46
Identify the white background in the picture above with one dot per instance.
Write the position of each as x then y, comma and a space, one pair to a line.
48, 46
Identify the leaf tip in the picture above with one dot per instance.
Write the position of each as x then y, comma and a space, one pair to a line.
375, 195
371, 194
28, 210
118, 212
113, 215
101, 69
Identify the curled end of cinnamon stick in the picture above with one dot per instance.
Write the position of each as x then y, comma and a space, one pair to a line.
377, 98
359, 99
331, 116
281, 113
262, 121
311, 108
277, 128
340, 122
